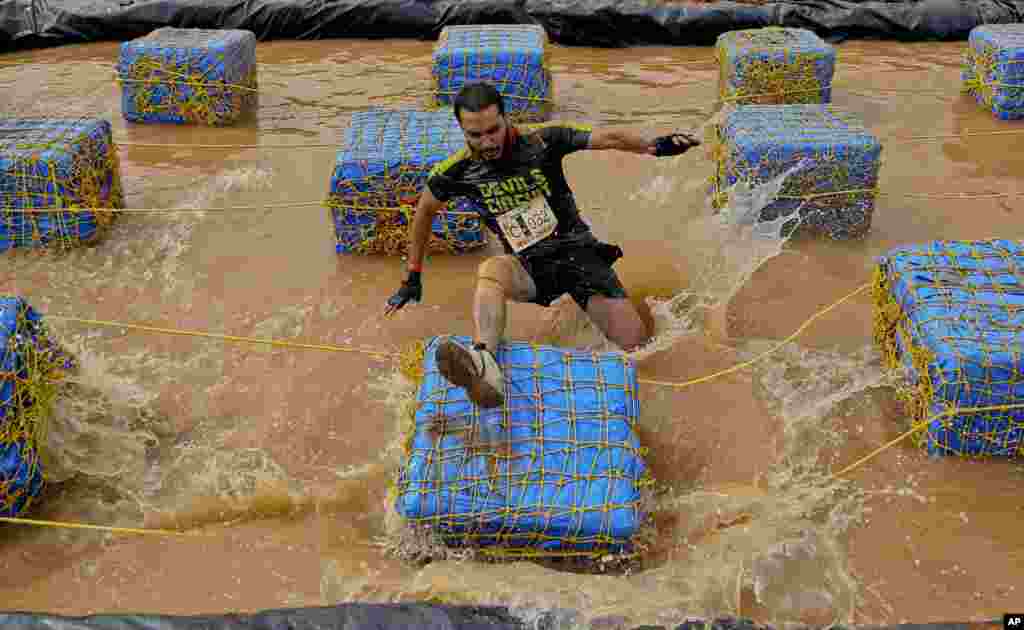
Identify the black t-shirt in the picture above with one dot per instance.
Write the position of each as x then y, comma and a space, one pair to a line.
530, 171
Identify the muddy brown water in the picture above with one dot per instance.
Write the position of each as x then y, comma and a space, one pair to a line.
283, 456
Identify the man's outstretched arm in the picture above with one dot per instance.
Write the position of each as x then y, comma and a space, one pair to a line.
419, 234
646, 144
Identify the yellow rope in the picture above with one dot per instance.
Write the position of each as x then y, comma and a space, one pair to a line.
225, 146
854, 191
170, 145
192, 83
879, 450
115, 530
194, 333
277, 206
962, 134
533, 553
782, 343
917, 428
307, 204
966, 195
184, 80
390, 355
300, 204
681, 63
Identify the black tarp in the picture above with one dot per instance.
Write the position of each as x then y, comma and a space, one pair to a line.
386, 617
342, 617
606, 23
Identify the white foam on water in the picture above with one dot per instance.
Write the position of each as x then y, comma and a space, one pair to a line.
108, 436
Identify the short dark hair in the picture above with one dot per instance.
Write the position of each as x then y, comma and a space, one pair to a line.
476, 97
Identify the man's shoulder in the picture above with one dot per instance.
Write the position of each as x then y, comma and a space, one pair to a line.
553, 127
452, 165
560, 136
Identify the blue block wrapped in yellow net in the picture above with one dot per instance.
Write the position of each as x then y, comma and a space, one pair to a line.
773, 65
952, 314
993, 68
830, 159
182, 75
558, 470
382, 167
31, 366
64, 165
513, 57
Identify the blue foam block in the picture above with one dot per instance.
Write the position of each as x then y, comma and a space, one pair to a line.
21, 477
47, 163
996, 82
385, 159
512, 57
743, 55
830, 150
156, 71
963, 301
572, 468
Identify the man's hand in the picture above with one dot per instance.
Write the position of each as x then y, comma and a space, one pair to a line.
412, 289
674, 144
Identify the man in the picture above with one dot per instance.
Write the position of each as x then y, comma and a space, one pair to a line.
514, 175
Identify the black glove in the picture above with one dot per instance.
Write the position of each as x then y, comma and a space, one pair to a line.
609, 253
674, 144
412, 289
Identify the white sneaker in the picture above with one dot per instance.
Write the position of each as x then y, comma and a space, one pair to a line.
473, 369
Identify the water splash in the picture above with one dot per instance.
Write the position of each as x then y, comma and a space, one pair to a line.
725, 250
172, 241
115, 452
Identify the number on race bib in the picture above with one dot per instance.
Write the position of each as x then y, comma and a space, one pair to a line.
528, 225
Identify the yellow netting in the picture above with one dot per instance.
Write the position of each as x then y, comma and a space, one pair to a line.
70, 166
364, 228
773, 65
962, 339
31, 369
490, 486
514, 58
187, 93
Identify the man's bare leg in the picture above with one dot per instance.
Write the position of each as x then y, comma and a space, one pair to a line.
499, 279
476, 369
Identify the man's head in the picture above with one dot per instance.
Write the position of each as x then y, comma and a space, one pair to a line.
481, 114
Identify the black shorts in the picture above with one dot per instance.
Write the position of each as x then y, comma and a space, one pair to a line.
579, 270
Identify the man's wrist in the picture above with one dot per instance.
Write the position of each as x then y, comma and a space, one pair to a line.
651, 141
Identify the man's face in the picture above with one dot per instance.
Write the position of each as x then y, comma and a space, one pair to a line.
485, 132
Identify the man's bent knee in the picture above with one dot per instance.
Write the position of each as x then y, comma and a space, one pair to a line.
632, 334
619, 321
506, 274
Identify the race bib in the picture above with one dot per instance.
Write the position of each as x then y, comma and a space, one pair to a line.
528, 225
